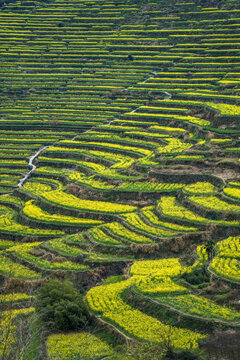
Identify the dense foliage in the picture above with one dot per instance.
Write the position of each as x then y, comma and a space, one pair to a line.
61, 307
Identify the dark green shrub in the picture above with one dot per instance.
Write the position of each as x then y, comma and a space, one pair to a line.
61, 307
185, 355
197, 277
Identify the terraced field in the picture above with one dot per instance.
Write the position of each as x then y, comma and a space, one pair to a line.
119, 169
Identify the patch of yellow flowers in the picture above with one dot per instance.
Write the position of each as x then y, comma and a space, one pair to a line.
233, 192
107, 300
77, 346
134, 220
226, 268
8, 329
128, 235
225, 109
9, 224
226, 264
175, 146
12, 269
59, 197
214, 203
229, 247
68, 200
201, 307
169, 206
35, 212
200, 188
23, 251
14, 297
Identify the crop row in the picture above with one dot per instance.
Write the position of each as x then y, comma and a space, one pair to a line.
106, 300
168, 206
77, 346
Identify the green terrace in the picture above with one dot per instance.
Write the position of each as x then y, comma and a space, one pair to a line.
119, 136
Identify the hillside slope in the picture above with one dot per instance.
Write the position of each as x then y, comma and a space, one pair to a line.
119, 154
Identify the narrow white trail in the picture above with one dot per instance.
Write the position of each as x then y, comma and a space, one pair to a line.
31, 164
168, 95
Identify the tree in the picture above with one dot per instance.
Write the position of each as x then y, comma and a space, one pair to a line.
210, 248
61, 307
